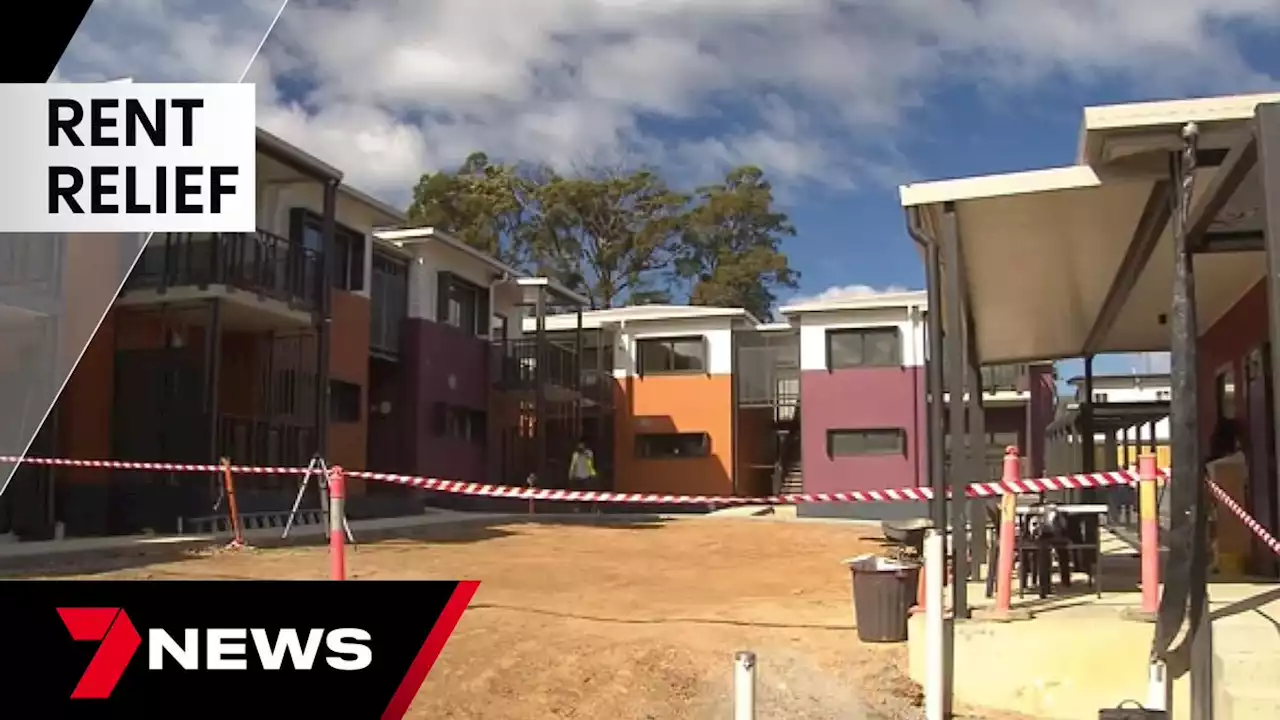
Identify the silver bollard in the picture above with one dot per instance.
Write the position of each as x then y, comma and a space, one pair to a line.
744, 686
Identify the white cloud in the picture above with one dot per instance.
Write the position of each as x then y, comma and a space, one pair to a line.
844, 292
813, 90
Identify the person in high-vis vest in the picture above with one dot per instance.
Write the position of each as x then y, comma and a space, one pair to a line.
582, 469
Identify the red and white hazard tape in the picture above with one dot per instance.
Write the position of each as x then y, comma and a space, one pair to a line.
980, 490
1225, 500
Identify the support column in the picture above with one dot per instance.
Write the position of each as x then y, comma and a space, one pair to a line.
1185, 592
958, 379
539, 389
212, 373
979, 449
324, 325
935, 388
1268, 131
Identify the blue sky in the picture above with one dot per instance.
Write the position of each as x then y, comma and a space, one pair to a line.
838, 100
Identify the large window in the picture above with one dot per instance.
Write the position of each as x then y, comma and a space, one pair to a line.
389, 302
672, 356
876, 441
462, 304
346, 267
673, 446
864, 347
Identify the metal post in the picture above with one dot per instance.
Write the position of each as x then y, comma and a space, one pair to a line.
744, 686
1268, 169
957, 471
933, 374
213, 372
937, 696
976, 508
539, 394
1187, 565
325, 319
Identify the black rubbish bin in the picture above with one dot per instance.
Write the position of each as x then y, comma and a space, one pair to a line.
883, 592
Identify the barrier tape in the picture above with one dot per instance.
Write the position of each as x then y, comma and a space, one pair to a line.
978, 490
1225, 500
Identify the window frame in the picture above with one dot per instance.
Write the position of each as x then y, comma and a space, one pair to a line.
899, 433
346, 272
643, 451
341, 399
450, 283
459, 422
863, 333
642, 346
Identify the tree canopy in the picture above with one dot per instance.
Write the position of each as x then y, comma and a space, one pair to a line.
620, 237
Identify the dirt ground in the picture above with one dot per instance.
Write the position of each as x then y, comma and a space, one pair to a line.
627, 621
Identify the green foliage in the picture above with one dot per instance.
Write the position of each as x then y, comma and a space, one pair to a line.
619, 237
731, 252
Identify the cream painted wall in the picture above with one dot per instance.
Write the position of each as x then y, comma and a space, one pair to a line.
717, 332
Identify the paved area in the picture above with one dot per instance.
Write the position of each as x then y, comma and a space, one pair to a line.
1078, 653
611, 617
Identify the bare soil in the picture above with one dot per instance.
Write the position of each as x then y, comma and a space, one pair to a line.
614, 621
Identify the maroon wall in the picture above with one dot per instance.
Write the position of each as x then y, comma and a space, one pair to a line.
894, 398
862, 398
433, 352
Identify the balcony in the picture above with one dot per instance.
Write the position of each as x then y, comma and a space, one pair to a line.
514, 368
261, 263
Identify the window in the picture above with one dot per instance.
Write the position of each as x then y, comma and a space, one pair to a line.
1099, 398
668, 356
864, 347
1163, 394
388, 302
346, 266
462, 304
673, 446
853, 443
460, 423
345, 401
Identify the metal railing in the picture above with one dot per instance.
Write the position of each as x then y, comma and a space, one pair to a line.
259, 262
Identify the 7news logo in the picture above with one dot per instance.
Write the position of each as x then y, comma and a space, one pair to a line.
223, 648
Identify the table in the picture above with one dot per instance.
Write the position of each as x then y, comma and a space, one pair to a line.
1076, 538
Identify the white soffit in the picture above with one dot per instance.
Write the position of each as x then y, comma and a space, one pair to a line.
1072, 177
1147, 126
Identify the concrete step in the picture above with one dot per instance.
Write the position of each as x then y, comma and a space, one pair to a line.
1246, 670
1252, 704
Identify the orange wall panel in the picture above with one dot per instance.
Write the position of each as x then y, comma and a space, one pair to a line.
349, 362
684, 403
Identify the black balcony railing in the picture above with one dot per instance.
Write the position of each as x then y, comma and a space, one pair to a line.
258, 262
518, 364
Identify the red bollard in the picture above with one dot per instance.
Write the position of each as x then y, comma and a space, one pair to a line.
1148, 476
1008, 510
337, 536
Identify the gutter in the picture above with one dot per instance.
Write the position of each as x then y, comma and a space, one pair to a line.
913, 227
